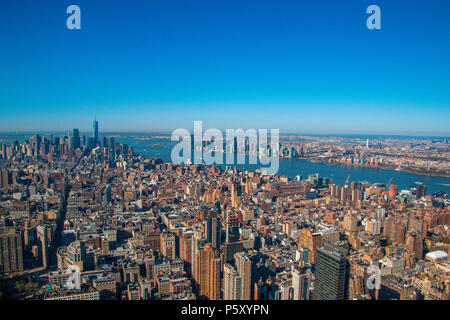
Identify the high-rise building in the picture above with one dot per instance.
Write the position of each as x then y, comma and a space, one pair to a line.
69, 141
414, 244
232, 282
301, 282
198, 242
11, 258
373, 226
5, 178
90, 143
208, 272
107, 196
244, 269
393, 191
419, 189
336, 191
356, 287
186, 251
331, 274
111, 143
3, 151
76, 143
345, 194
168, 245
42, 244
76, 254
394, 230
350, 222
310, 240
213, 230
235, 194
36, 143
95, 133
232, 227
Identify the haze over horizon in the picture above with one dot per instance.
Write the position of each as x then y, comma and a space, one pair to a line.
168, 132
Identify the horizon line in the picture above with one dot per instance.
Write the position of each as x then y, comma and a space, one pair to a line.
168, 132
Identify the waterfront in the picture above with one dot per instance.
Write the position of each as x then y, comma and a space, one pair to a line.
152, 147
161, 148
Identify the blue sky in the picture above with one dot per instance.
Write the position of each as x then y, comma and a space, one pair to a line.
300, 66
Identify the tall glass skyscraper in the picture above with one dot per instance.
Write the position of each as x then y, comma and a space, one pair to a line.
75, 139
95, 132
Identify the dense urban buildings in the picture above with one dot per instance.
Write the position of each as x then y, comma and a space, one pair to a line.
85, 218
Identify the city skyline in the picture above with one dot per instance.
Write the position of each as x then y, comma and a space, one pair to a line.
93, 220
341, 150
207, 158
301, 67
167, 132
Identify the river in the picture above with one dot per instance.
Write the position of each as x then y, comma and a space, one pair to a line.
161, 148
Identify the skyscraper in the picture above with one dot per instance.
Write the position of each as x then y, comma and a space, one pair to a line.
36, 144
11, 258
208, 272
414, 244
232, 282
186, 251
42, 244
198, 242
111, 143
232, 227
419, 189
75, 139
5, 178
69, 141
301, 281
3, 151
107, 196
76, 254
244, 269
95, 132
213, 230
310, 240
332, 274
350, 222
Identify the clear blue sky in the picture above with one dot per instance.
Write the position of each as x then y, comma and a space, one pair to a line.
306, 66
